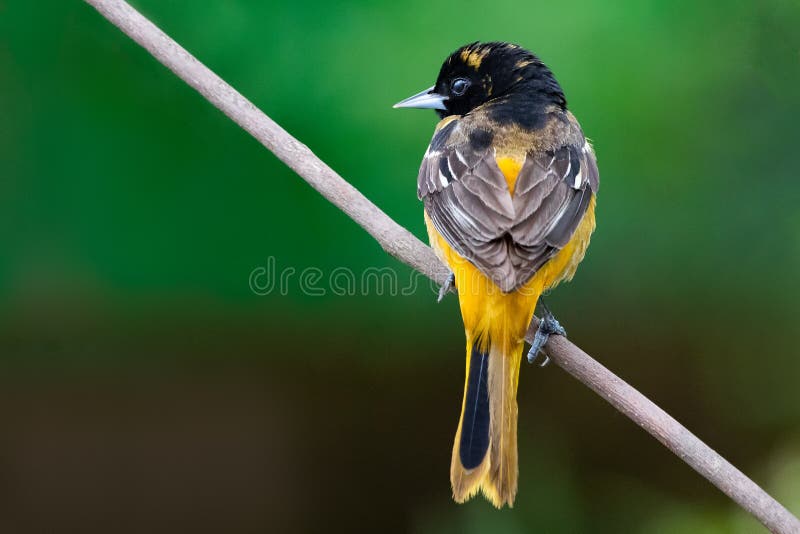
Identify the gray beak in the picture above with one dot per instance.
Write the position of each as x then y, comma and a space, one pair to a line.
426, 99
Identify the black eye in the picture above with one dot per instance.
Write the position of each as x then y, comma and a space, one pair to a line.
459, 86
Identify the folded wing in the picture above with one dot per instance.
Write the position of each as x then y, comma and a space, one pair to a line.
508, 237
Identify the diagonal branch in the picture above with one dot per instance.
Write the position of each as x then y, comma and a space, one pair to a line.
401, 244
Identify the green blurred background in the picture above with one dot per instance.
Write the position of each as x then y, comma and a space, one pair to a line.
145, 388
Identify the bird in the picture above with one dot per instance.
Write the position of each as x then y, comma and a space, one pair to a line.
508, 185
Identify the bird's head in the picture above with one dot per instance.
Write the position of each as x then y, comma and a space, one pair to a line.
489, 73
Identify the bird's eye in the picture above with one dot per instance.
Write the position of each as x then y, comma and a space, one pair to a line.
459, 86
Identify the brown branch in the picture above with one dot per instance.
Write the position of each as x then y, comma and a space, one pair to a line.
401, 244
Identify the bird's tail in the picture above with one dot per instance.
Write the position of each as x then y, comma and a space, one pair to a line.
485, 449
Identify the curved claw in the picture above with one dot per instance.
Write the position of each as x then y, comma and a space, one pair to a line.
448, 285
547, 327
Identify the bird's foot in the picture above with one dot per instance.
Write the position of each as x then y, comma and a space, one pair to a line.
548, 326
449, 285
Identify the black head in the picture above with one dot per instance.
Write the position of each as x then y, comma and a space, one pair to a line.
494, 75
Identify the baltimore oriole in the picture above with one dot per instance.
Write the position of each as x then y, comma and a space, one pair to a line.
508, 185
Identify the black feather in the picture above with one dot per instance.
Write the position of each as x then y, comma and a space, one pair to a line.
475, 420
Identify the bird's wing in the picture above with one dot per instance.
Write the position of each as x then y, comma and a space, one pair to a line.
508, 237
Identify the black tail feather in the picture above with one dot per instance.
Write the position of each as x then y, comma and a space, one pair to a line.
475, 421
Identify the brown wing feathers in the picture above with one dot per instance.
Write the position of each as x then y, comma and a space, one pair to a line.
508, 238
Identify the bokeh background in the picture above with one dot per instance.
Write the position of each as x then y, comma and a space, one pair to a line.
144, 387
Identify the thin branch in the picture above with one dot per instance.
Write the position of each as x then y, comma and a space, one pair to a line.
401, 244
